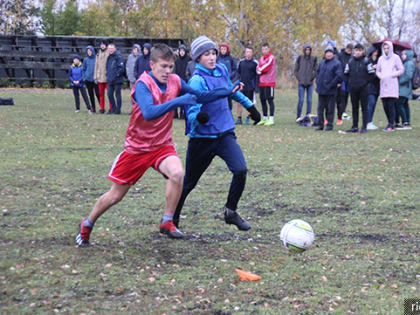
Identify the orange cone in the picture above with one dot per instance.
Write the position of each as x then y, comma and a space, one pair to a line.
247, 276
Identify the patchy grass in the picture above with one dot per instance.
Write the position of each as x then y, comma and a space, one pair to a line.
360, 193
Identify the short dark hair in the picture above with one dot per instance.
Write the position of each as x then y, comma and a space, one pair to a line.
161, 51
249, 47
349, 46
265, 45
359, 46
111, 44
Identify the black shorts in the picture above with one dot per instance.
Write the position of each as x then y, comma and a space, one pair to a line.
266, 92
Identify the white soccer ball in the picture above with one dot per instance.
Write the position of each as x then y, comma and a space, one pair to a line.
297, 235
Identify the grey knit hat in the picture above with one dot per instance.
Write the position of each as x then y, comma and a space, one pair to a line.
200, 45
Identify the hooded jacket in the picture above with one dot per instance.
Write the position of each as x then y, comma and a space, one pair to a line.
228, 61
405, 81
388, 69
305, 67
374, 83
75, 74
329, 74
143, 62
100, 66
114, 68
181, 64
130, 64
89, 65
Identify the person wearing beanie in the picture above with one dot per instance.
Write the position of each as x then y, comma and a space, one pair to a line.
181, 70
268, 75
76, 82
305, 73
388, 69
88, 76
329, 74
358, 74
148, 141
211, 128
229, 61
100, 73
342, 88
130, 64
143, 61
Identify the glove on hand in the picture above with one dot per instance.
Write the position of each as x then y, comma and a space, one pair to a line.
202, 117
255, 114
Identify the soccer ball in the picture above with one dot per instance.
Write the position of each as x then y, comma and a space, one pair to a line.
297, 235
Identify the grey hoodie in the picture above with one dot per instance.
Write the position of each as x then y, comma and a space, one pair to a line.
131, 62
305, 67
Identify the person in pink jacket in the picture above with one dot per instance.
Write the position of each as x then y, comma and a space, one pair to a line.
388, 69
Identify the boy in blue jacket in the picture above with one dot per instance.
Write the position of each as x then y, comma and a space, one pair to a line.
76, 82
211, 130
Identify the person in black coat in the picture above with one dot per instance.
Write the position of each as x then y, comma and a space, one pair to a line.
229, 61
181, 70
358, 75
114, 77
342, 90
329, 74
143, 61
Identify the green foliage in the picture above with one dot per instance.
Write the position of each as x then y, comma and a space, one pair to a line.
18, 17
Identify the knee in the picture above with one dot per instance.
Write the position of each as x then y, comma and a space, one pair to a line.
177, 176
240, 174
114, 197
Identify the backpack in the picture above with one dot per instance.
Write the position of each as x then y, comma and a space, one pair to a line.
416, 78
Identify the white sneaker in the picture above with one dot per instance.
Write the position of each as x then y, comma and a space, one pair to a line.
77, 111
90, 112
371, 126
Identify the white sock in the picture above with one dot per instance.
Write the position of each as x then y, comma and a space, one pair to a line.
265, 118
272, 117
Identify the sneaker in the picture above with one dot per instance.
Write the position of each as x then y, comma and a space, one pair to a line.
299, 119
77, 111
407, 126
101, 111
82, 237
325, 121
353, 129
238, 121
363, 130
90, 112
247, 121
399, 127
269, 122
388, 128
262, 122
371, 126
170, 229
93, 111
339, 122
346, 116
328, 128
319, 128
232, 217
109, 112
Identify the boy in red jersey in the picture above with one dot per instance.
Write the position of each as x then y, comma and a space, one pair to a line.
149, 141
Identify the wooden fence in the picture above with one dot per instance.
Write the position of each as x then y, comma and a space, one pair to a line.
35, 60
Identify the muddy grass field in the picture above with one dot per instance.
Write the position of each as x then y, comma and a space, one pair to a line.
360, 193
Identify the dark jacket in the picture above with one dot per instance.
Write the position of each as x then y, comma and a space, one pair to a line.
247, 72
374, 83
114, 68
190, 69
329, 74
143, 62
344, 58
181, 64
89, 65
76, 74
356, 72
229, 62
305, 68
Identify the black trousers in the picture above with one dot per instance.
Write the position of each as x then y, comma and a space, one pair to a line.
342, 99
200, 153
267, 95
115, 107
93, 90
82, 90
390, 105
326, 104
359, 96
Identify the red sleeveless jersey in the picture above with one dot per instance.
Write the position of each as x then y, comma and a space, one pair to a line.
146, 136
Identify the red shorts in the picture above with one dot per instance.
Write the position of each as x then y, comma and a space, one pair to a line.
128, 168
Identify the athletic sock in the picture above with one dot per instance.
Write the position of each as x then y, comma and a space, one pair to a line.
167, 218
265, 118
272, 117
87, 223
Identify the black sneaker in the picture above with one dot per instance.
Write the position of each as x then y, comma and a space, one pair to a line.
232, 217
398, 127
363, 130
328, 128
353, 129
319, 128
82, 237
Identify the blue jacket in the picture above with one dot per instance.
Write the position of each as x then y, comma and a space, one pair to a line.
89, 65
230, 64
220, 116
329, 74
114, 68
75, 74
143, 63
